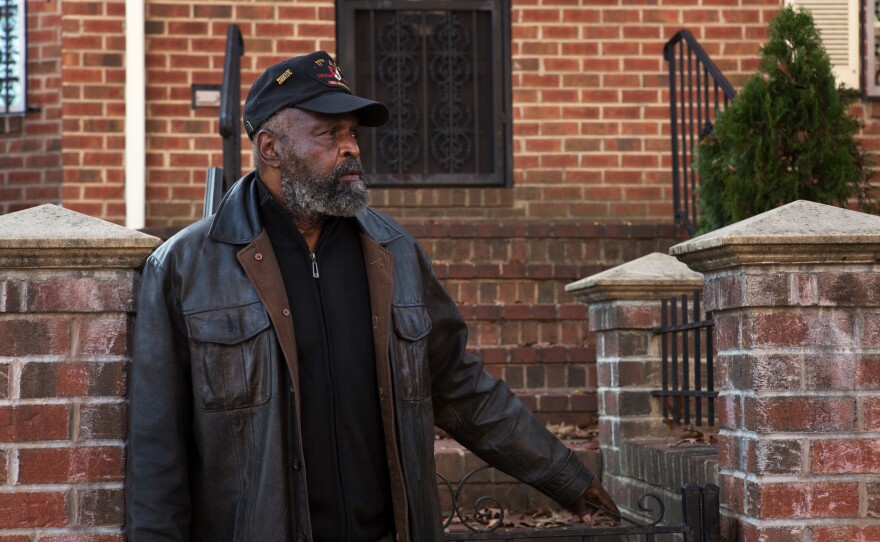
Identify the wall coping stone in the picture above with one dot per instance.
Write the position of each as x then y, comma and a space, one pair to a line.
51, 237
801, 232
651, 277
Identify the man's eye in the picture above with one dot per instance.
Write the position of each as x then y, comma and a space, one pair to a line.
355, 135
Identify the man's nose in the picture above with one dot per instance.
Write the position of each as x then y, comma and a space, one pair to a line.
349, 147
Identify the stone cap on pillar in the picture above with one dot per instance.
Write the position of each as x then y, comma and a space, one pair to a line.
48, 236
801, 232
651, 277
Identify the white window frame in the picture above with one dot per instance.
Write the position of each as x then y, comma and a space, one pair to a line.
870, 28
17, 67
838, 23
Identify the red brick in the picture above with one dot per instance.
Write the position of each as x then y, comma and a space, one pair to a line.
838, 533
797, 500
81, 294
103, 335
103, 421
4, 380
25, 510
82, 538
796, 414
871, 330
61, 465
64, 379
845, 456
25, 423
785, 328
102, 507
837, 289
34, 336
871, 413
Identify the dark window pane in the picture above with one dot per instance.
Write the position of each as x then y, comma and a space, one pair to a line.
443, 77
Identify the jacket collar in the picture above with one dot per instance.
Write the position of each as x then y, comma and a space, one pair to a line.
237, 220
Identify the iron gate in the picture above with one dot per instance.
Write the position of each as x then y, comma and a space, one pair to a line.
701, 519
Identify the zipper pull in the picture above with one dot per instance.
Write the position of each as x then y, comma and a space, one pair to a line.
315, 273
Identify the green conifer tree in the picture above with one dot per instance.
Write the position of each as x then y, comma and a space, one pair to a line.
786, 136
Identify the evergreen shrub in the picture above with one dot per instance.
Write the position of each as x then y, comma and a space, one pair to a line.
786, 136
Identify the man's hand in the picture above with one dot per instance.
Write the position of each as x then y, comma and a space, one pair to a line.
594, 502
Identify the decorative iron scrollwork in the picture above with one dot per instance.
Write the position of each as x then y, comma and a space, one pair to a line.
648, 503
450, 68
399, 71
480, 509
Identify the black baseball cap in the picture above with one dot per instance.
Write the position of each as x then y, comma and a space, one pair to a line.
313, 82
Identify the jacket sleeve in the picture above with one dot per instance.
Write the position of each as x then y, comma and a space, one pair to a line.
485, 416
157, 486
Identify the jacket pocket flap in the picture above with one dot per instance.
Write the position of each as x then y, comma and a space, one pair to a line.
411, 323
227, 326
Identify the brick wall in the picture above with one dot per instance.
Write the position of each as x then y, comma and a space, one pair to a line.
30, 147
93, 85
797, 331
64, 319
590, 128
589, 103
509, 281
625, 304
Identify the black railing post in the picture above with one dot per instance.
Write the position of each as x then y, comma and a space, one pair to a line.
692, 512
230, 107
711, 513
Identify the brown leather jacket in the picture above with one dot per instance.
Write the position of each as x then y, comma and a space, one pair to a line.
213, 441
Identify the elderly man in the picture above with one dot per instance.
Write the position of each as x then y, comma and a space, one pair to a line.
294, 352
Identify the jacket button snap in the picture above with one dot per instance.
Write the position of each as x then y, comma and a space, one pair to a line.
300, 538
286, 312
296, 464
258, 256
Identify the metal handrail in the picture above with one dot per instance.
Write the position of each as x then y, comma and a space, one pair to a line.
220, 181
230, 107
692, 111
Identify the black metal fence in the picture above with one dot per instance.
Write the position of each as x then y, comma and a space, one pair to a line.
687, 368
697, 92
701, 519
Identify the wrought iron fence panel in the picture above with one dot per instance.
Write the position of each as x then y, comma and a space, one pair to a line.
687, 380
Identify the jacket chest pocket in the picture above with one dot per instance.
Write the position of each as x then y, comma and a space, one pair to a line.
412, 324
232, 352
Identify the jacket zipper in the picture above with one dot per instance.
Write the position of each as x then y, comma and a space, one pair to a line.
314, 258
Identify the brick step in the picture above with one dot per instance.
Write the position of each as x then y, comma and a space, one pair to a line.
454, 462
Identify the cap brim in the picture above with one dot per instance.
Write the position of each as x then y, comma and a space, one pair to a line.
369, 113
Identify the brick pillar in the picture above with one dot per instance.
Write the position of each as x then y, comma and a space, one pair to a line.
795, 293
67, 291
625, 304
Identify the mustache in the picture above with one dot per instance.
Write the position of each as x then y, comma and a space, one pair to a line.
348, 167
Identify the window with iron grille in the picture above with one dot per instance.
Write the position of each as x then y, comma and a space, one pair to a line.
12, 58
443, 69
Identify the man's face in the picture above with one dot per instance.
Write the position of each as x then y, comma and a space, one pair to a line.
321, 172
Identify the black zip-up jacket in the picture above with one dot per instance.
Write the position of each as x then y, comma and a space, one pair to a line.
214, 441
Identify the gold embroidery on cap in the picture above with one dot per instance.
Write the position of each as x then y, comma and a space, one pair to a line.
284, 76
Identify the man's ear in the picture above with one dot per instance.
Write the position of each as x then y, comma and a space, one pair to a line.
267, 146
